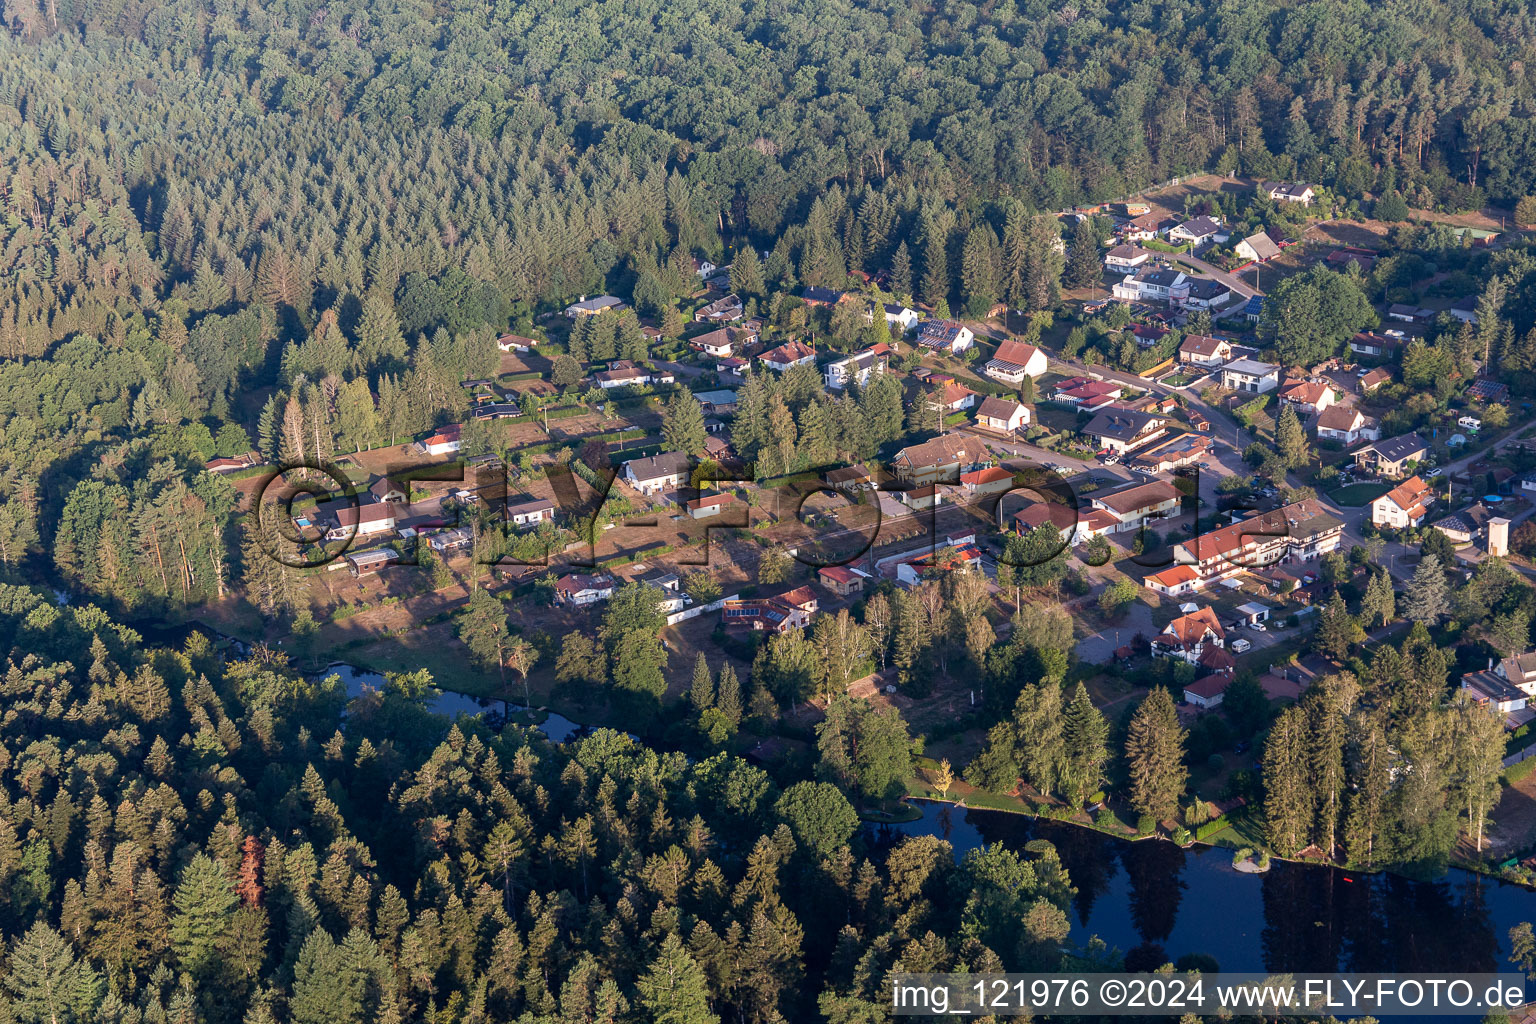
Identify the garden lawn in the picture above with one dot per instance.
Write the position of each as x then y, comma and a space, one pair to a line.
1359, 494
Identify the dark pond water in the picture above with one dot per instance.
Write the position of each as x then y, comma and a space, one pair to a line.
1294, 918
557, 727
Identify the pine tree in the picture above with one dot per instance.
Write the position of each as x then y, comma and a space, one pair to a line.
1083, 267
1379, 605
701, 693
1086, 735
682, 426
379, 341
205, 903
1427, 598
1337, 630
1291, 438
1154, 754
47, 984
728, 695
901, 271
747, 273
1288, 799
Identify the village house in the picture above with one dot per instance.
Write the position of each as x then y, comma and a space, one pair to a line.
1121, 430
910, 571
1375, 345
1134, 505
1015, 360
1465, 526
1375, 379
1307, 397
1519, 670
792, 609
1391, 458
454, 541
387, 489
1404, 505
1302, 530
445, 442
360, 522
842, 580
733, 366
920, 499
1001, 414
900, 318
1143, 228
816, 296
1188, 636
531, 513
1202, 293
594, 307
1409, 314
1181, 449
721, 310
1087, 393
945, 336
1196, 232
1204, 350
1250, 375
943, 458
1347, 424
1259, 248
1149, 284
857, 367
711, 505
791, 353
582, 589
515, 343
1340, 259
1490, 690
1208, 691
722, 342
232, 463
1175, 581
991, 480
366, 563
1126, 257
622, 374
850, 479
956, 396
1291, 192
664, 472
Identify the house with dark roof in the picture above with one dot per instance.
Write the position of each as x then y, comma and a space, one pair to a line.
722, 310
816, 296
594, 307
1291, 192
1390, 458
950, 336
1465, 526
664, 472
858, 367
1126, 257
1197, 231
1121, 430
524, 514
579, 588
